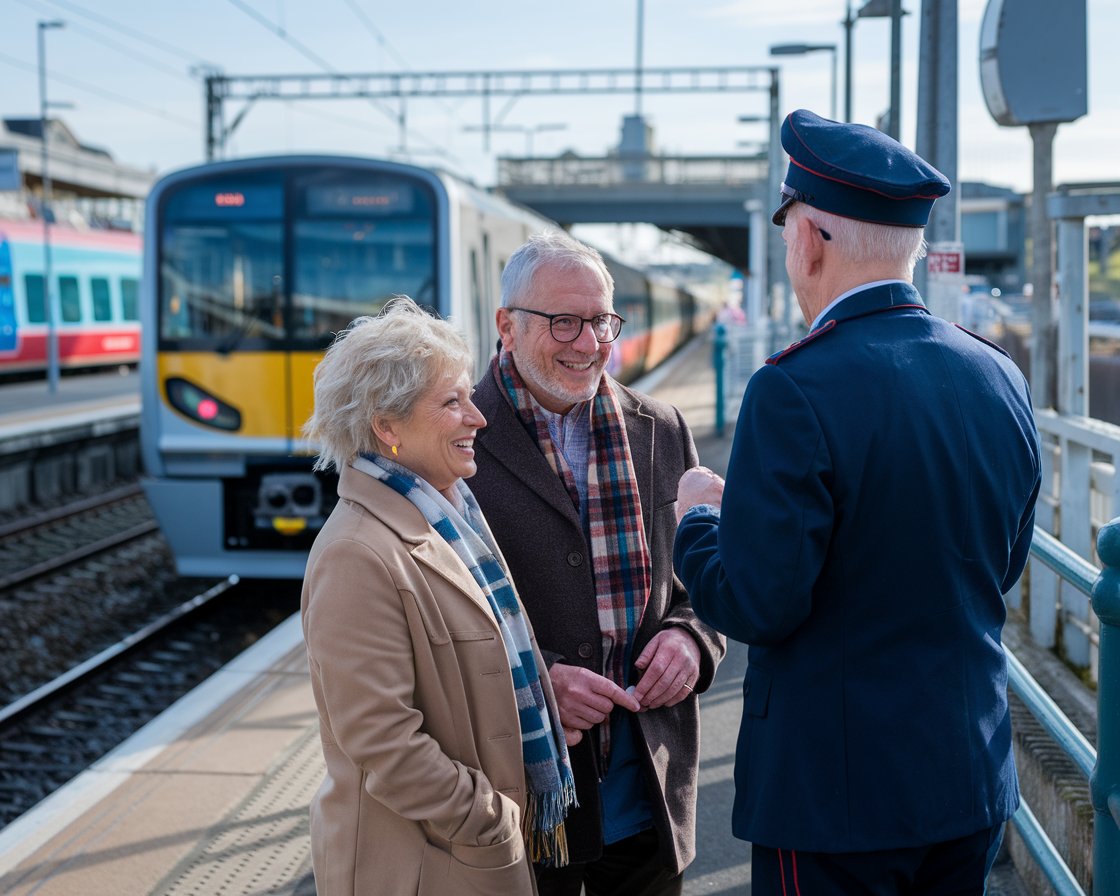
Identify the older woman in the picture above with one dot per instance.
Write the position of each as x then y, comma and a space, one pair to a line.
447, 771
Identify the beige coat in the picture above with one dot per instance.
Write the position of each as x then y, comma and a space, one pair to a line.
425, 784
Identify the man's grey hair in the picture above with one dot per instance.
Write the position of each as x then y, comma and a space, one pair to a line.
553, 248
863, 242
378, 367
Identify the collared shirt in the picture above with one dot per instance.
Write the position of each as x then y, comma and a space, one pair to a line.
571, 434
840, 298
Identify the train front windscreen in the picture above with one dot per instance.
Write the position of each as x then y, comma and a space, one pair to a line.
284, 259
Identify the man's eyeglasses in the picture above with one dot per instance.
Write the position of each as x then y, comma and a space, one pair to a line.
567, 327
789, 196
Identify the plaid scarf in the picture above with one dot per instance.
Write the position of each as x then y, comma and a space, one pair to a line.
548, 773
619, 553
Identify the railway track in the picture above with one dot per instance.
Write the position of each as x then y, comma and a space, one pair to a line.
52, 539
98, 635
59, 729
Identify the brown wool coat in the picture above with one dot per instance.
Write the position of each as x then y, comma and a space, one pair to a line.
425, 784
538, 529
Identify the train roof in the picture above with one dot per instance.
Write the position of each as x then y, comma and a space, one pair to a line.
31, 231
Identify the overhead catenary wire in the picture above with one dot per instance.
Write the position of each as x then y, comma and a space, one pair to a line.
312, 56
86, 87
128, 31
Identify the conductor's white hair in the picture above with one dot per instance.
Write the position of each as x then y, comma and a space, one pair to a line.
863, 242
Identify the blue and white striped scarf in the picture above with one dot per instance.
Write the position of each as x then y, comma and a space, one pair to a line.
548, 772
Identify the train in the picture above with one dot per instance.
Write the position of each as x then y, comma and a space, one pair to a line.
95, 276
250, 268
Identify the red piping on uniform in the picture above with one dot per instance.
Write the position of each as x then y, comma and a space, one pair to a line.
817, 332
782, 872
983, 339
793, 859
845, 183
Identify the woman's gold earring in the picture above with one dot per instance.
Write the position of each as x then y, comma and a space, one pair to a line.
394, 451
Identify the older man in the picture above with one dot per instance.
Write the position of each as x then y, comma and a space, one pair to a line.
577, 477
879, 502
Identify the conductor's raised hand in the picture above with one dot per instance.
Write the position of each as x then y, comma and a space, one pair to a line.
698, 486
585, 698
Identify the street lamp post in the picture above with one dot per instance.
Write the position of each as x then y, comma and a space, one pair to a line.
767, 267
848, 23
801, 50
49, 297
892, 9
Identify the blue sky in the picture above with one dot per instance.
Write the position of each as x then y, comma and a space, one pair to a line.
124, 65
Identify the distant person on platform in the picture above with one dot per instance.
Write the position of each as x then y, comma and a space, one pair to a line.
879, 502
577, 476
447, 770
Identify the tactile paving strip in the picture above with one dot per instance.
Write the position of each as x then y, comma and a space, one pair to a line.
264, 845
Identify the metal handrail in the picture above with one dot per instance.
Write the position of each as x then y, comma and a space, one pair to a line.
1051, 718
1102, 766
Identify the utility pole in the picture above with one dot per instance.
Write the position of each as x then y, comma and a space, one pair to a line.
895, 126
848, 23
936, 139
49, 295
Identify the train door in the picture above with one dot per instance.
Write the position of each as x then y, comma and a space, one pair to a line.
487, 301
357, 238
9, 325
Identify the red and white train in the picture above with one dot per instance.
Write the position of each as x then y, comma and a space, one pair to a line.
95, 279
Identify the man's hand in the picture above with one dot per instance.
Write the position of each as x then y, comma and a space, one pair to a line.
585, 699
671, 665
698, 486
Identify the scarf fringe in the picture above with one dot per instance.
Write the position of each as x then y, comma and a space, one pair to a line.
546, 837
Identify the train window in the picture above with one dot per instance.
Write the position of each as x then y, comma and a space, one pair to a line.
130, 298
284, 255
357, 241
69, 299
222, 282
102, 307
221, 263
36, 300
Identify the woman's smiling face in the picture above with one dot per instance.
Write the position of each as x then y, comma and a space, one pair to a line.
436, 442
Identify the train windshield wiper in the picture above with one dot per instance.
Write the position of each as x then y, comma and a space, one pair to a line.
234, 339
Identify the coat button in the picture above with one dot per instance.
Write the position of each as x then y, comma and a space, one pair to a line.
585, 650
575, 558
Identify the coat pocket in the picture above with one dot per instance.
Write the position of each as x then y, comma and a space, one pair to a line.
499, 870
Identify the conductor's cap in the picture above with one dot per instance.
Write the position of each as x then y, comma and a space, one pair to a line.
856, 171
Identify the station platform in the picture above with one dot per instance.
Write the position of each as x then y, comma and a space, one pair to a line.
81, 437
212, 796
209, 798
29, 407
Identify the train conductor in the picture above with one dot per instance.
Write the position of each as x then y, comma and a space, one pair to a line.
879, 502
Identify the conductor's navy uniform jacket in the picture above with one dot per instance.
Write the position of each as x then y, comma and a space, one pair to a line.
879, 502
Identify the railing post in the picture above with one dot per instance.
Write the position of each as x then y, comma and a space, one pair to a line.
719, 348
1104, 786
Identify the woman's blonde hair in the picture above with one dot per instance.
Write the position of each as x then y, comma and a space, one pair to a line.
378, 367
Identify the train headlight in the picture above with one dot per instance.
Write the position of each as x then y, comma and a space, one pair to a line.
200, 406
